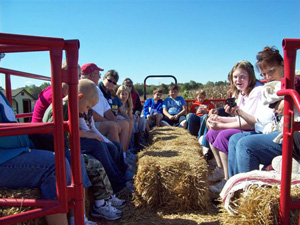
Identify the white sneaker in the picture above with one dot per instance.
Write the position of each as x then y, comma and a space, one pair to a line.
116, 202
88, 222
217, 175
218, 187
205, 150
277, 164
106, 211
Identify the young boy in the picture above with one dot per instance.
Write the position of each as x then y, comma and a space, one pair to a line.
92, 143
153, 110
174, 108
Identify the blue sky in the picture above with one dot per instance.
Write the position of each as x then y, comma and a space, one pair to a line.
196, 40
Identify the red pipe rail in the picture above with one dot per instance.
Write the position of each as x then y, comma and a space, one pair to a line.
291, 98
68, 196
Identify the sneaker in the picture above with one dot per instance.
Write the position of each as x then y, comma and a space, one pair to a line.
218, 187
88, 222
277, 164
116, 202
217, 175
204, 150
106, 211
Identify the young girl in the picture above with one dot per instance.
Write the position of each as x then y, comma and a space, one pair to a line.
248, 92
124, 111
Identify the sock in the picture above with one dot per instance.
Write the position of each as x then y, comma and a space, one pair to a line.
124, 154
99, 203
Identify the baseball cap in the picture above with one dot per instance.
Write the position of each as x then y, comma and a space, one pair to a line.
89, 68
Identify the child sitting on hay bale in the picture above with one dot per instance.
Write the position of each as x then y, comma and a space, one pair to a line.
92, 142
174, 108
153, 109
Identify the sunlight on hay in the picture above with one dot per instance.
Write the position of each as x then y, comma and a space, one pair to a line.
260, 206
171, 172
21, 193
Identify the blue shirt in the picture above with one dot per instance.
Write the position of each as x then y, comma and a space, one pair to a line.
10, 146
150, 107
116, 104
174, 106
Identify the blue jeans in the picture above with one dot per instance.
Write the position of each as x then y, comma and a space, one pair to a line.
105, 153
197, 127
34, 169
249, 149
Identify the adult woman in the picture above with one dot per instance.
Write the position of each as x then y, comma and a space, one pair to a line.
247, 89
249, 149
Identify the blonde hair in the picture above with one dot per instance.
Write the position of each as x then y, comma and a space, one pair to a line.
89, 89
200, 92
129, 100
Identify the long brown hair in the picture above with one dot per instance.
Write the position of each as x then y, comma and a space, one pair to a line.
245, 65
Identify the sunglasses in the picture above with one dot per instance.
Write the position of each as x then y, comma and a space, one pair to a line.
110, 81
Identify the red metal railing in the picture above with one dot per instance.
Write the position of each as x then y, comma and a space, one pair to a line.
291, 98
68, 196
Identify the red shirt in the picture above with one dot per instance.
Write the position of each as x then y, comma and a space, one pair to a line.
206, 104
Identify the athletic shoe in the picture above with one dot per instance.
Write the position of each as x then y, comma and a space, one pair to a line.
217, 175
277, 164
88, 222
106, 211
116, 202
218, 187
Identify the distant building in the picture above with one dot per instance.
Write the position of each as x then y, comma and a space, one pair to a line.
22, 102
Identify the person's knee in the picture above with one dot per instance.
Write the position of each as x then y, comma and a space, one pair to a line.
124, 124
159, 116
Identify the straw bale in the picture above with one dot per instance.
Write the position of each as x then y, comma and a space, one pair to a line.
259, 206
21, 193
171, 172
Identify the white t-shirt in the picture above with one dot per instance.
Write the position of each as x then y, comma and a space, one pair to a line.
102, 106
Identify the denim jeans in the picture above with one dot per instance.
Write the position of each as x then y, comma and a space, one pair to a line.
34, 169
197, 127
103, 152
249, 149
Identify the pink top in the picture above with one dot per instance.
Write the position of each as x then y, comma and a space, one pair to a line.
250, 103
45, 99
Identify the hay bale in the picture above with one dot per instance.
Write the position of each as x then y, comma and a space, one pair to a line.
260, 206
172, 172
20, 193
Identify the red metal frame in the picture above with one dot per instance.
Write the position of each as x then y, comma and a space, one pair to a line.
291, 98
68, 196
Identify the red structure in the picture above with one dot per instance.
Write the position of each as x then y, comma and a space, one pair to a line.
291, 98
68, 196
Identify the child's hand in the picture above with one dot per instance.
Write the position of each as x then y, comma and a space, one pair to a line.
93, 135
213, 111
213, 117
231, 110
